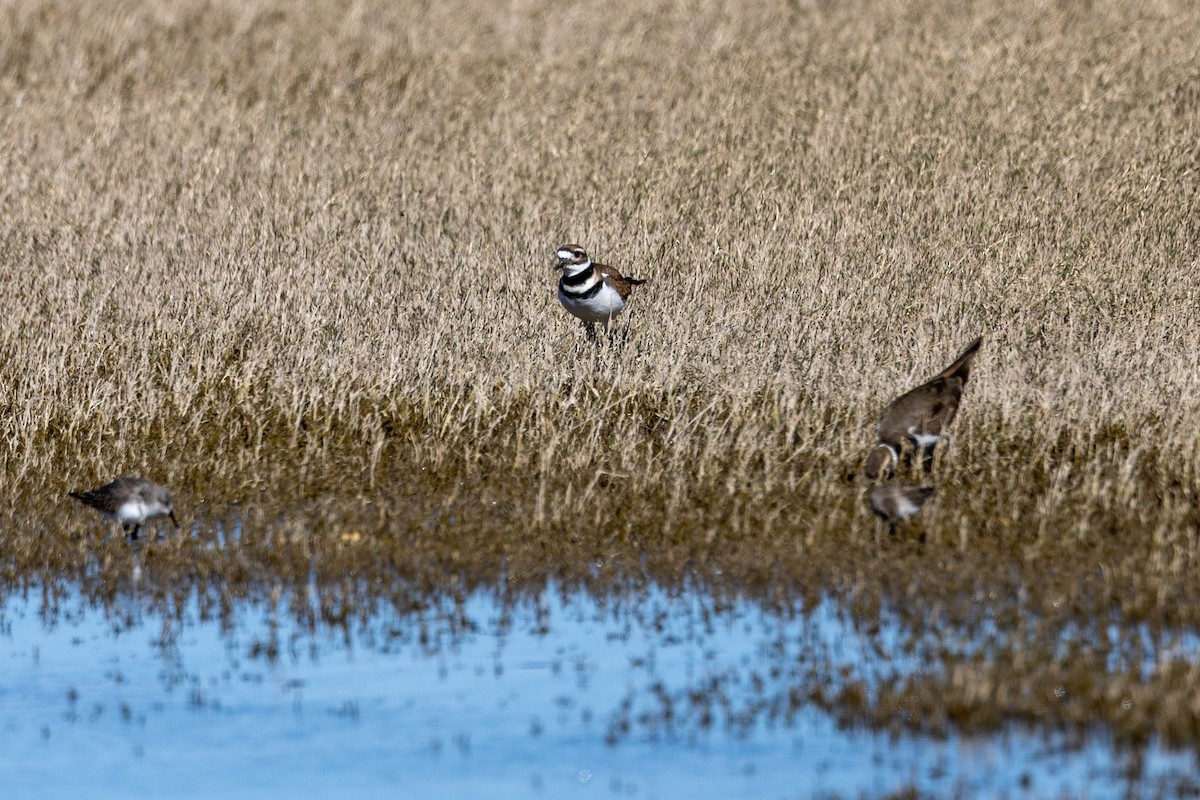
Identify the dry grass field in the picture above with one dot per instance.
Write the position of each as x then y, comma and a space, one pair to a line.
294, 260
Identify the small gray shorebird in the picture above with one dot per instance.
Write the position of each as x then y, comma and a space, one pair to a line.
895, 502
595, 293
919, 417
130, 501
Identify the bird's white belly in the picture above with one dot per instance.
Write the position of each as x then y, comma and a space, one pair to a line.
133, 511
906, 508
600, 307
923, 440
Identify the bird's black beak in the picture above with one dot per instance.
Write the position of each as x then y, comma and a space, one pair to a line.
559, 264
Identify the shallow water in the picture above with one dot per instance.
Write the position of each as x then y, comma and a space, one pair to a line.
556, 693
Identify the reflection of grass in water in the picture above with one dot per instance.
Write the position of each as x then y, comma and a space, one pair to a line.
312, 291
627, 665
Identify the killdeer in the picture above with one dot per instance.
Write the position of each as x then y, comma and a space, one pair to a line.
920, 416
130, 501
594, 293
895, 502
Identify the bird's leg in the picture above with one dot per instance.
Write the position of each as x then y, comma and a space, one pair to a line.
927, 459
590, 329
134, 533
616, 340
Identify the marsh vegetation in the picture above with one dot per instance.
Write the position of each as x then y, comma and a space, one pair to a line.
293, 260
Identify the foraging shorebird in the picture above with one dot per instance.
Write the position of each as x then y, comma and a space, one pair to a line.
920, 416
130, 501
895, 502
595, 293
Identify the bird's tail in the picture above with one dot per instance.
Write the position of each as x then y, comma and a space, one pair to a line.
636, 281
78, 496
961, 367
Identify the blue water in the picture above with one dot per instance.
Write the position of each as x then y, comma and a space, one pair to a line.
558, 695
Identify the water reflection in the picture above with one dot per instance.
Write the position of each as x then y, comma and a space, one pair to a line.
638, 693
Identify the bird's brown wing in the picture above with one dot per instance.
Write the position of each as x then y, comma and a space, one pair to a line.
109, 497
616, 280
98, 499
928, 409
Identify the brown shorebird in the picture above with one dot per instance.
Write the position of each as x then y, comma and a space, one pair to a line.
895, 502
595, 293
130, 501
919, 417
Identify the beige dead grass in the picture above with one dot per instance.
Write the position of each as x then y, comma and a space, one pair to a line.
293, 259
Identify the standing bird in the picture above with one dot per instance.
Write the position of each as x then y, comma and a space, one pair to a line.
130, 501
593, 292
920, 416
895, 502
